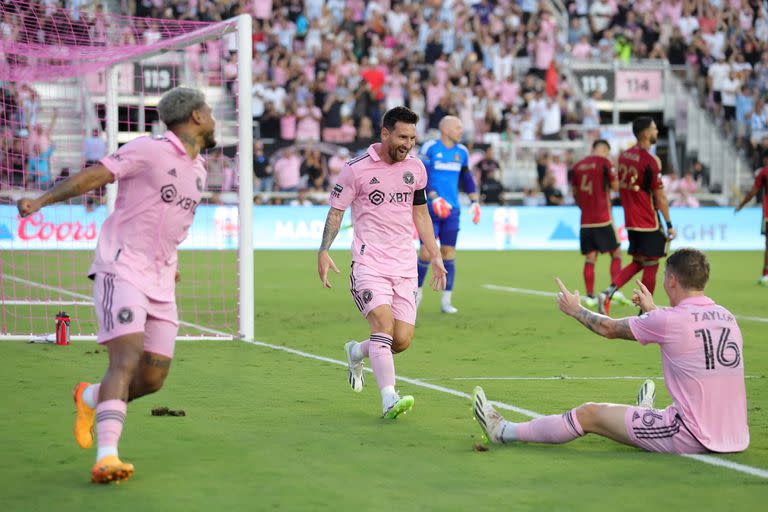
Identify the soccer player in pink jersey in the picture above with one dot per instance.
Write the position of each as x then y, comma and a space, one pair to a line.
386, 189
702, 356
135, 268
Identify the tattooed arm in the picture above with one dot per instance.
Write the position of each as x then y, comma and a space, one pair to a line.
332, 226
570, 304
603, 325
324, 261
88, 179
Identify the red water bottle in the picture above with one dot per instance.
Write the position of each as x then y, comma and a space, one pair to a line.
62, 328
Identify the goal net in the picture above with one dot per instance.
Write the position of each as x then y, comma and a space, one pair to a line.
74, 87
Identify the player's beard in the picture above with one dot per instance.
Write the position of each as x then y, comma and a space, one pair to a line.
396, 155
653, 140
209, 140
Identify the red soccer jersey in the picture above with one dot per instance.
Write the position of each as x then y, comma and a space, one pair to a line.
761, 186
591, 182
639, 176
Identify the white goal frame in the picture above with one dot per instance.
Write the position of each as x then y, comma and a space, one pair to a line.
242, 25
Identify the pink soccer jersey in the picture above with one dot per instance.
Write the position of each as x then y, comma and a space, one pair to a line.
702, 356
158, 193
381, 196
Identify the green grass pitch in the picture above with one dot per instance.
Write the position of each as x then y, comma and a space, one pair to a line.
271, 430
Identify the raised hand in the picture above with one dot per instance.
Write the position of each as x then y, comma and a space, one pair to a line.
643, 298
27, 207
570, 303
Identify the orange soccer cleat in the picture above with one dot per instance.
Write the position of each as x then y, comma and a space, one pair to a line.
85, 417
110, 469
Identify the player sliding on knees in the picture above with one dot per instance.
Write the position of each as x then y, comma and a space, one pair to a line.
386, 189
447, 164
134, 270
702, 357
592, 182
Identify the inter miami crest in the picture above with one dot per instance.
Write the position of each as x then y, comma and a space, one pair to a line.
168, 193
408, 178
376, 197
367, 296
125, 316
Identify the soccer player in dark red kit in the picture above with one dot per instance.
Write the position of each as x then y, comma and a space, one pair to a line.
592, 181
642, 196
760, 187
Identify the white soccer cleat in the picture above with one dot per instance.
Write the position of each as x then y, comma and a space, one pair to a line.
589, 302
448, 308
419, 296
490, 421
647, 394
354, 368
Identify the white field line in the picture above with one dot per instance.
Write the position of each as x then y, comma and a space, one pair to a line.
540, 293
226, 335
707, 459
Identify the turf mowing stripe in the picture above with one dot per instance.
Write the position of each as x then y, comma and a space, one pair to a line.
540, 293
707, 459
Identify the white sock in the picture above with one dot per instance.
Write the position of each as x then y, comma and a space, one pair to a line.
388, 396
357, 352
88, 396
447, 296
103, 451
509, 432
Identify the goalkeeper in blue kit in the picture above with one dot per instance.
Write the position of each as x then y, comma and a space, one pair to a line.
447, 164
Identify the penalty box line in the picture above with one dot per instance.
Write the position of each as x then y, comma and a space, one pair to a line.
706, 459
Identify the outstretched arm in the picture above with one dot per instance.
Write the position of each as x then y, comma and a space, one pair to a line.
607, 327
324, 261
90, 178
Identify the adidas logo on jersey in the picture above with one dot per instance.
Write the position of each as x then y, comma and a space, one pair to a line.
373, 181
439, 155
172, 172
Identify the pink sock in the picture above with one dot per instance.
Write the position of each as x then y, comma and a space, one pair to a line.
555, 429
365, 347
110, 416
382, 362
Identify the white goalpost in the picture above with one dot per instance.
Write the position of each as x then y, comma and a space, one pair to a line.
107, 90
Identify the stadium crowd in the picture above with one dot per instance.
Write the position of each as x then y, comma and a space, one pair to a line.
326, 70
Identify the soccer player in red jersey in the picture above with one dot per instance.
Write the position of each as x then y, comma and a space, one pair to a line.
760, 187
643, 198
592, 181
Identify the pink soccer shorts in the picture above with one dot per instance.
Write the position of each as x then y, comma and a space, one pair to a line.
122, 309
370, 290
661, 431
